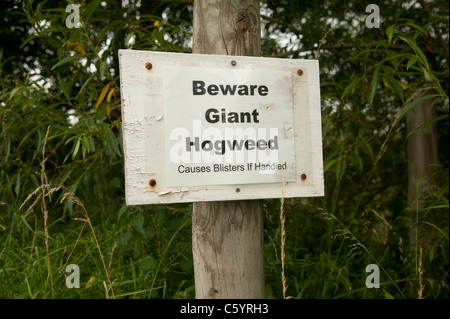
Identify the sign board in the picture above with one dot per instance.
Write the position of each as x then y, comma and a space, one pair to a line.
210, 127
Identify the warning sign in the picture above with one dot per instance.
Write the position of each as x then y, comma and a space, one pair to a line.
209, 127
228, 126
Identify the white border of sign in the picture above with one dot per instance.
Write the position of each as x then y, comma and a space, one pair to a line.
144, 132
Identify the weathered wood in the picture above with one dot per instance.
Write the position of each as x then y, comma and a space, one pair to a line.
228, 244
227, 237
423, 159
227, 27
422, 148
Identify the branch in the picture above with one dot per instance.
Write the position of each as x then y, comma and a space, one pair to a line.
283, 23
437, 30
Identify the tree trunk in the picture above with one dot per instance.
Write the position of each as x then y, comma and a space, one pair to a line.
227, 237
422, 155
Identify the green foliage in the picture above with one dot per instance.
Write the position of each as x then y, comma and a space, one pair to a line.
370, 80
61, 163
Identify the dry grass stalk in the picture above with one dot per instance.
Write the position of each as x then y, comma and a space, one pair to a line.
43, 206
316, 56
283, 236
106, 290
421, 285
31, 195
77, 201
73, 248
111, 256
34, 237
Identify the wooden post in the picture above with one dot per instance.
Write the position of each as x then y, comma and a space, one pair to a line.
227, 237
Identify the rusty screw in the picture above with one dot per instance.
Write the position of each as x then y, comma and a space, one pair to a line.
303, 177
148, 65
300, 72
152, 182
233, 63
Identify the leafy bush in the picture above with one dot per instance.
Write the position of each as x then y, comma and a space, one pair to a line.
61, 162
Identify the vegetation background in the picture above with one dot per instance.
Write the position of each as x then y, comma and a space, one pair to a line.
61, 161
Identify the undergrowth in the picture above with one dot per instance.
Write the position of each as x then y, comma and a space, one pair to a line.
61, 162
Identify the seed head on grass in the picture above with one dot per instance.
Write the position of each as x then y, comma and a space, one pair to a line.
283, 236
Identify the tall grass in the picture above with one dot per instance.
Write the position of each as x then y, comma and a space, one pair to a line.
62, 186
309, 252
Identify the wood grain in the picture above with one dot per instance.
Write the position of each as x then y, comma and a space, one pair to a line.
228, 249
227, 27
227, 237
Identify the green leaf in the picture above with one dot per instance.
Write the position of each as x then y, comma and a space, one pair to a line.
187, 263
357, 161
437, 228
340, 170
387, 295
26, 41
65, 60
374, 85
419, 53
148, 263
160, 38
91, 143
415, 26
427, 123
77, 147
128, 38
411, 62
66, 87
394, 85
393, 57
85, 83
438, 100
415, 102
26, 223
8, 150
427, 75
138, 223
390, 32
85, 143
110, 143
18, 184
328, 164
25, 138
123, 238
434, 207
15, 91
66, 173
102, 69
351, 87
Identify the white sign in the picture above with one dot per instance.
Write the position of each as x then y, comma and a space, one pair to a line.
227, 126
209, 127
